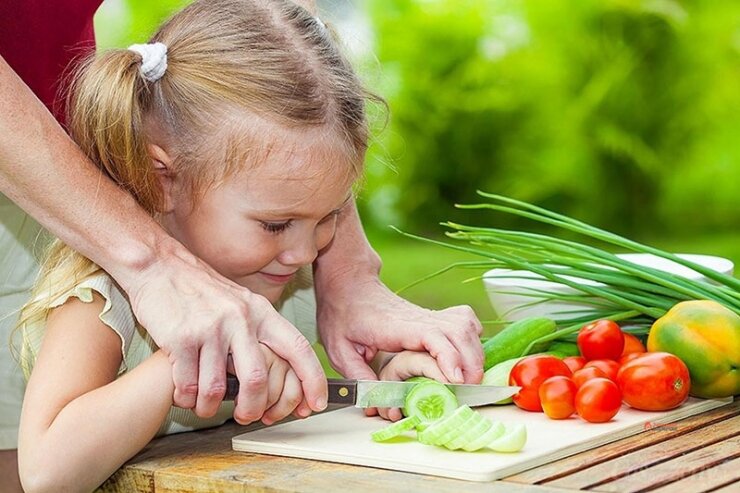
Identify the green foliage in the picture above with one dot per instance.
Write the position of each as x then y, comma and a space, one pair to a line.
120, 23
622, 113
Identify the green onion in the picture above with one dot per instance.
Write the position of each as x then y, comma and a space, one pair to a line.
626, 292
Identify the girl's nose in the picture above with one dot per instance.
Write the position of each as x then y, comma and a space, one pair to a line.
301, 253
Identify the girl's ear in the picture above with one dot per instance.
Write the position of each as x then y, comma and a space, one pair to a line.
163, 166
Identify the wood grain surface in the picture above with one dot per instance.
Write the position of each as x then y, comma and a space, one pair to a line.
697, 454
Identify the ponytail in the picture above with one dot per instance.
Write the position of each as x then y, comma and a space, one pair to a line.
107, 103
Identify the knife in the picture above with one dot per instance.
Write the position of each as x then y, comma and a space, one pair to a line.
377, 393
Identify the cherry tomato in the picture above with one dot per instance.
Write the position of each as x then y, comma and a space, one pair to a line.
632, 345
654, 381
602, 339
609, 367
557, 395
598, 400
575, 363
529, 373
584, 374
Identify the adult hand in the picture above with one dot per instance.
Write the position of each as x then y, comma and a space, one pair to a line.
359, 315
198, 317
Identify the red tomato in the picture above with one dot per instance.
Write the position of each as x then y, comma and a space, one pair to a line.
529, 373
584, 374
598, 400
628, 357
654, 381
609, 367
558, 395
601, 340
632, 345
575, 363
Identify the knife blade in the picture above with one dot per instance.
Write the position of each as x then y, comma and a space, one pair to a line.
376, 393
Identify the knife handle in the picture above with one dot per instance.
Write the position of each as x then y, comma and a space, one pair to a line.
232, 388
342, 391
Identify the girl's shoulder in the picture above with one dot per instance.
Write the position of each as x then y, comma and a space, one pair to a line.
115, 314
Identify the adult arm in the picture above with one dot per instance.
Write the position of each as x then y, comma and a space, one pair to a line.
192, 312
358, 315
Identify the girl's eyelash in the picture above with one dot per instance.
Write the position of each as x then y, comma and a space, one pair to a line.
276, 227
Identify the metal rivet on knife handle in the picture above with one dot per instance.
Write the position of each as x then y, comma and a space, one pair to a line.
342, 391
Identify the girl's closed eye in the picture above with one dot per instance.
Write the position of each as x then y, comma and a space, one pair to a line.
276, 228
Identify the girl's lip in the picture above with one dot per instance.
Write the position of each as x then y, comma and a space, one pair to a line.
280, 279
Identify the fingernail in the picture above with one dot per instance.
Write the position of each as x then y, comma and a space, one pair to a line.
321, 403
458, 375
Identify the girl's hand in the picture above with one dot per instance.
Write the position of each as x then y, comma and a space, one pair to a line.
407, 364
284, 390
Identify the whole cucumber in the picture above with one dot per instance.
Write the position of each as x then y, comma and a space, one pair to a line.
563, 349
514, 339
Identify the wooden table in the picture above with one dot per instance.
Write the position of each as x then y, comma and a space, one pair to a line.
700, 453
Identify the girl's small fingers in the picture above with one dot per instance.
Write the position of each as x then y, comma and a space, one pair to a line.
290, 398
395, 414
302, 410
371, 411
276, 380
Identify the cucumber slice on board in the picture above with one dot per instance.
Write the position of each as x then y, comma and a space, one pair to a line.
395, 429
455, 431
512, 440
495, 431
470, 433
445, 425
430, 401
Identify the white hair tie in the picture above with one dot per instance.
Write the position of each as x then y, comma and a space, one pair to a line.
153, 60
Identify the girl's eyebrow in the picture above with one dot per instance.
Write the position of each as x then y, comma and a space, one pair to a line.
287, 214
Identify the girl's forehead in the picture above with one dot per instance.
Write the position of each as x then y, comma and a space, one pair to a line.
288, 174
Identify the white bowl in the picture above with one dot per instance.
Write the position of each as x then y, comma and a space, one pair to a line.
511, 291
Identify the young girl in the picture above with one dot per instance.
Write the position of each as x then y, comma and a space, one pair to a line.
240, 128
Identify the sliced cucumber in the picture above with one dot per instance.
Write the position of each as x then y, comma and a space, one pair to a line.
496, 430
433, 410
455, 431
512, 440
443, 426
396, 429
470, 433
430, 401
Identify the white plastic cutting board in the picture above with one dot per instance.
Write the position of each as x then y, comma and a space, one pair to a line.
344, 436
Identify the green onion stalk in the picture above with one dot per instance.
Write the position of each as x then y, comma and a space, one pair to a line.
615, 288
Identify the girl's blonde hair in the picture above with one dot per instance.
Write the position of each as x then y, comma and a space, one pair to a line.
267, 59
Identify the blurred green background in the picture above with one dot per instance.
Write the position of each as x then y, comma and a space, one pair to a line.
622, 113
